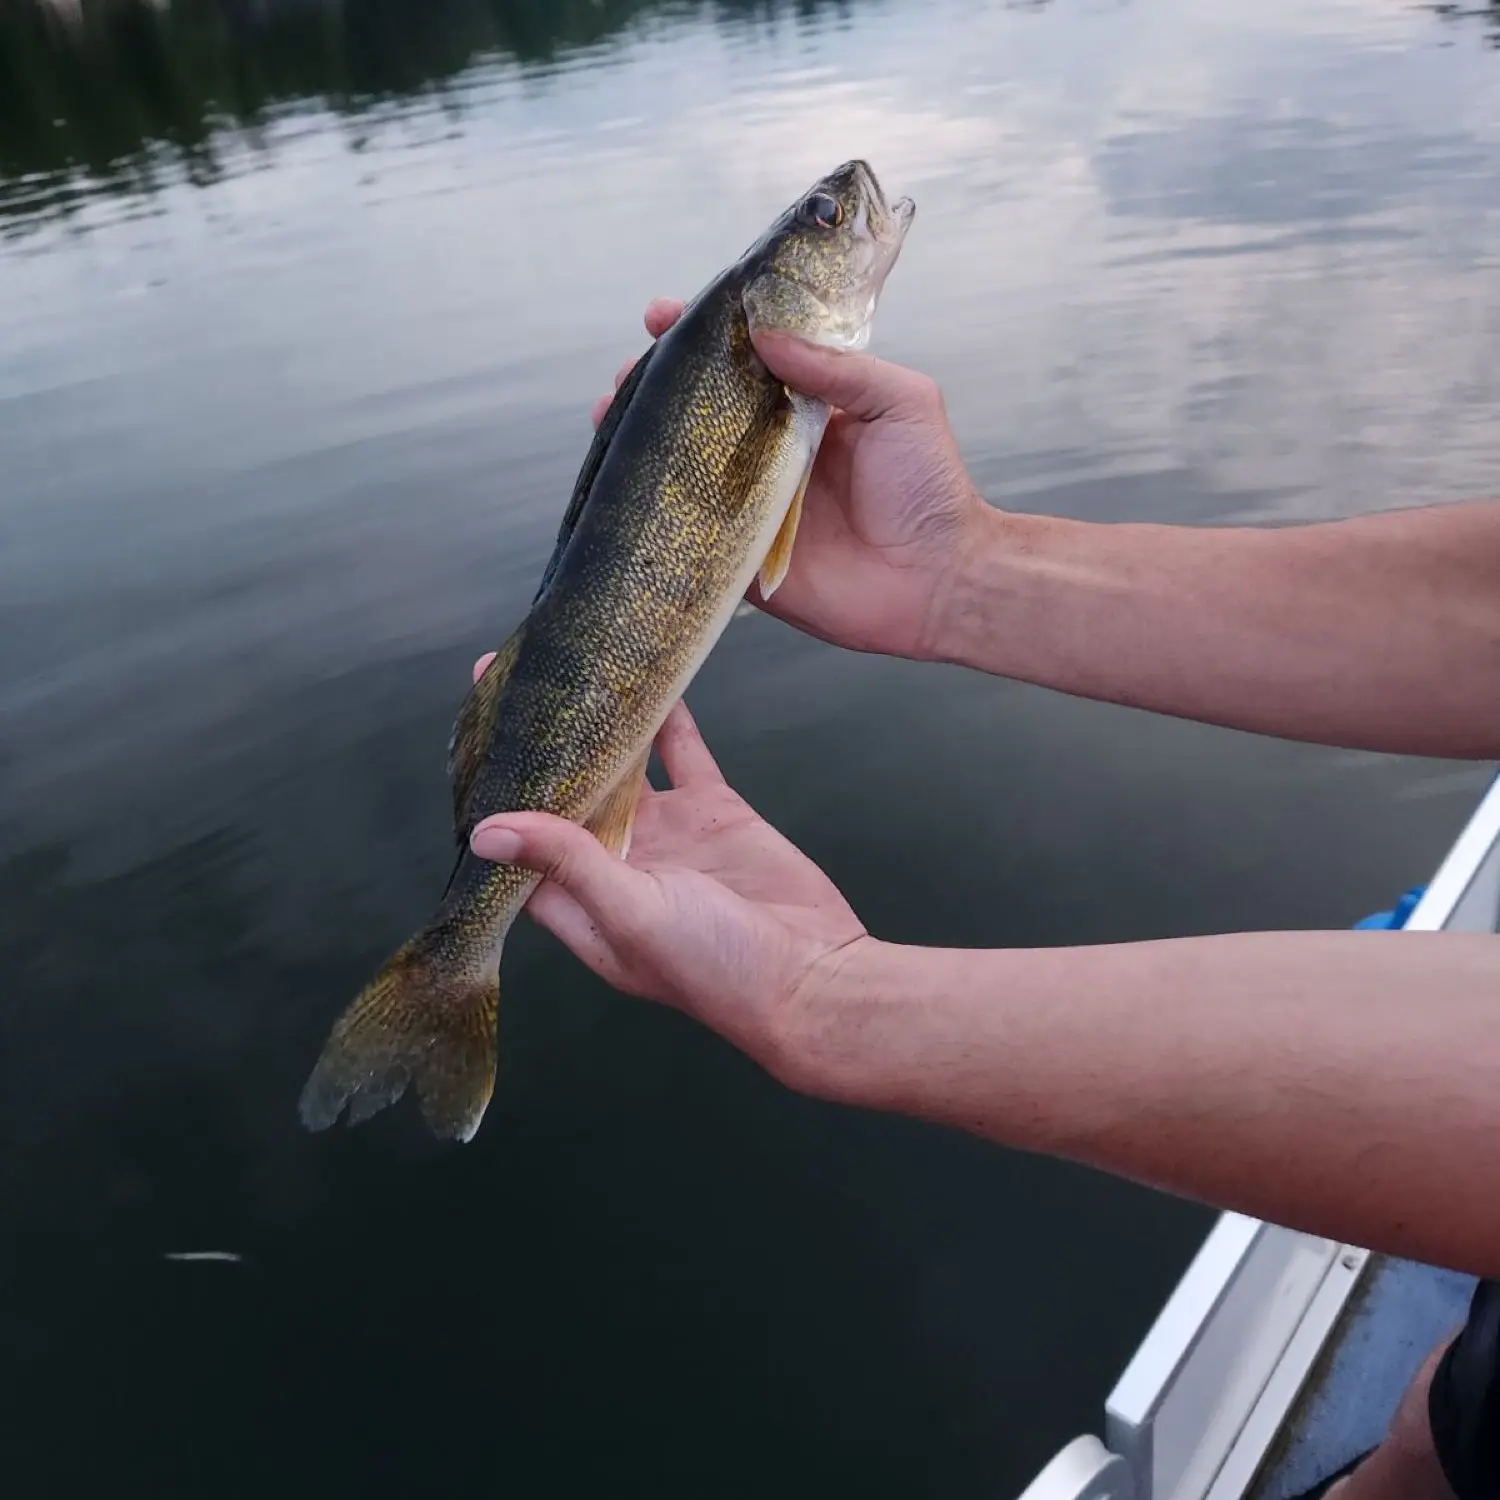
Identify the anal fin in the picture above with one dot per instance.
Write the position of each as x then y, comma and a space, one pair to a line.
614, 819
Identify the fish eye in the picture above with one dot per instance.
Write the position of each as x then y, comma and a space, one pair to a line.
825, 212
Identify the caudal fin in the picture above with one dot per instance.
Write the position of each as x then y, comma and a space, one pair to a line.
419, 1021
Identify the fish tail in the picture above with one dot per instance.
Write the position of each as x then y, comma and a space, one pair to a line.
427, 1018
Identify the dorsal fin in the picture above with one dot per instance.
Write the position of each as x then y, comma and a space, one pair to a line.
592, 462
475, 728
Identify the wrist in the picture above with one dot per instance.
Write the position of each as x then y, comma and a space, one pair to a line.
824, 1044
968, 616
870, 1025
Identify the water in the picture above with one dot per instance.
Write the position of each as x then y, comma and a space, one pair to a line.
301, 311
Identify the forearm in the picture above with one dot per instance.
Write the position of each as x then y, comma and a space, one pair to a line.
1343, 1083
1380, 632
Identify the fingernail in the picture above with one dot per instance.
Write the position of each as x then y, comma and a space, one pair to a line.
499, 844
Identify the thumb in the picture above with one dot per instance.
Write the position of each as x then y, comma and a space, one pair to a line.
610, 891
865, 387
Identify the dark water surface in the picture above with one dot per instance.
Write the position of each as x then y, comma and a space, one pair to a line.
302, 307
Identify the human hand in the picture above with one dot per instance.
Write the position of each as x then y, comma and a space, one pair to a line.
890, 509
714, 912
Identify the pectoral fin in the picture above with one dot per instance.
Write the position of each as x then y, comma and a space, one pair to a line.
614, 819
779, 558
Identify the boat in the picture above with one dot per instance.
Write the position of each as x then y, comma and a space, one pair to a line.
1280, 1357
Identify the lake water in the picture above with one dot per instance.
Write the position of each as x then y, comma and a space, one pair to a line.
302, 308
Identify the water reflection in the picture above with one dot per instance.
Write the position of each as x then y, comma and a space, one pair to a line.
281, 452
117, 94
1487, 13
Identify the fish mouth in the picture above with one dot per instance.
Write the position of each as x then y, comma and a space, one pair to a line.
887, 220
883, 226
887, 225
892, 234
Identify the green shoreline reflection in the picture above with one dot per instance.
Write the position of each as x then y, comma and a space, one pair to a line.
117, 95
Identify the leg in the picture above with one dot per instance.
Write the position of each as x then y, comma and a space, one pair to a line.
1406, 1465
1444, 1443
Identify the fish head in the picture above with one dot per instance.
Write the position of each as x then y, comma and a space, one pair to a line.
818, 271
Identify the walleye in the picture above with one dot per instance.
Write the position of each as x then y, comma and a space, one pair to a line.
692, 489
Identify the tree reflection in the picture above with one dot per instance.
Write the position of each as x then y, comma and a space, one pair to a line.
1487, 12
113, 95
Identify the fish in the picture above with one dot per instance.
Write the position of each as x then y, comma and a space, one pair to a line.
691, 490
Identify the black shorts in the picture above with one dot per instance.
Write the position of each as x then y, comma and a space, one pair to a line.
1463, 1405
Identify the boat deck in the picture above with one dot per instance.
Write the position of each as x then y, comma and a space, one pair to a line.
1400, 1312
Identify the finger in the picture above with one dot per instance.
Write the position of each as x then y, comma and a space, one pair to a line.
482, 665
661, 314
552, 908
617, 896
688, 761
646, 793
865, 387
603, 404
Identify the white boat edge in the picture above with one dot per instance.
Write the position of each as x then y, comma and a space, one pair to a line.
1211, 1388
